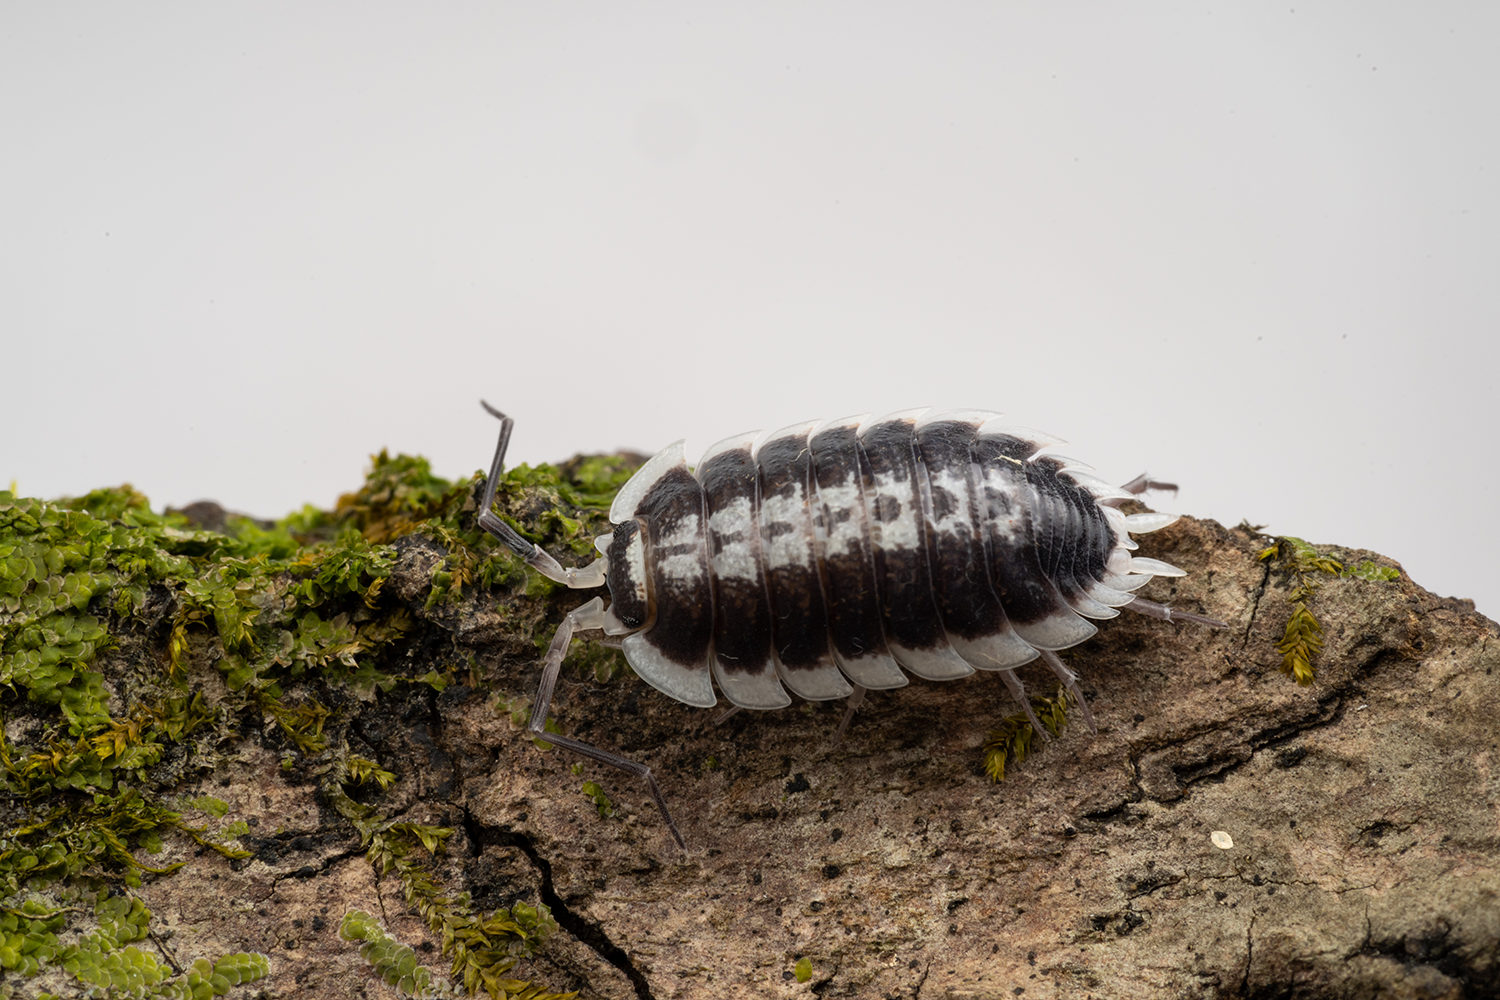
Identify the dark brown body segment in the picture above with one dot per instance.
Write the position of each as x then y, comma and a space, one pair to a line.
966, 601
742, 619
799, 613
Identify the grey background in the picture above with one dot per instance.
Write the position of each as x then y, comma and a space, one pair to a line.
1248, 247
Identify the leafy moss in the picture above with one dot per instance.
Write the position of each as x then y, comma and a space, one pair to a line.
113, 618
1372, 573
399, 493
1302, 640
397, 965
1011, 741
482, 949
595, 791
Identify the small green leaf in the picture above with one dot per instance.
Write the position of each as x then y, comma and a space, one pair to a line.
601, 801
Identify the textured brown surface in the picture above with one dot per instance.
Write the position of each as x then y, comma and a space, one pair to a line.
1364, 813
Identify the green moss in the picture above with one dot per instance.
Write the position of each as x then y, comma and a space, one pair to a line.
595, 791
1012, 739
363, 771
399, 493
482, 948
112, 618
1302, 640
396, 964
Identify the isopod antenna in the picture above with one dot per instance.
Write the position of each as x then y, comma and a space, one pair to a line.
582, 578
587, 616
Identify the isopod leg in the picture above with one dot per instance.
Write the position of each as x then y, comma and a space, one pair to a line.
1139, 484
589, 615
850, 707
1153, 610
1018, 692
1070, 681
591, 575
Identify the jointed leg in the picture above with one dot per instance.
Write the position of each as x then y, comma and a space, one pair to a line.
591, 575
1153, 610
1070, 681
590, 615
850, 707
1018, 692
1140, 484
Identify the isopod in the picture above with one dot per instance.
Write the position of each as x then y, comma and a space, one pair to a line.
836, 558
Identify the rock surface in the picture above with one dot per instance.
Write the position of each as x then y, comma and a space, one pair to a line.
1362, 815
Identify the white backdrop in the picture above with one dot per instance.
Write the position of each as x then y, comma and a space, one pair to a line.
1249, 247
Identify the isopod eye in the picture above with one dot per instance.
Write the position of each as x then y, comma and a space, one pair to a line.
629, 597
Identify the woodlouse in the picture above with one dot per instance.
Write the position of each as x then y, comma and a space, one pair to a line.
835, 558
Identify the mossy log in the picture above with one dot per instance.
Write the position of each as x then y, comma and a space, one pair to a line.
1227, 833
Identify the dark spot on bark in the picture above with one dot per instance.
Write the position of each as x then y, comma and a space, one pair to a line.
1290, 757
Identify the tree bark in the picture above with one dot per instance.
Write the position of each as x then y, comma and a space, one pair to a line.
1363, 813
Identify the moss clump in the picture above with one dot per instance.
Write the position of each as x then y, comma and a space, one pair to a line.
113, 619
1302, 640
396, 964
1011, 740
483, 949
594, 791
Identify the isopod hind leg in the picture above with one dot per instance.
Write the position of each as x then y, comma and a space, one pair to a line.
590, 615
1018, 692
1167, 614
1144, 482
1070, 681
588, 576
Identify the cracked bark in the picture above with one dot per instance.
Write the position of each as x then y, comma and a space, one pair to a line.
1365, 815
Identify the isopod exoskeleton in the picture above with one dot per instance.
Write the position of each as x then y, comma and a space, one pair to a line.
834, 559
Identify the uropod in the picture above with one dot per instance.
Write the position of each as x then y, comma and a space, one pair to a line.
835, 558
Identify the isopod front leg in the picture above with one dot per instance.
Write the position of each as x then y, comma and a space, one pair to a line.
590, 615
588, 576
